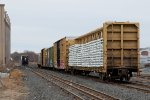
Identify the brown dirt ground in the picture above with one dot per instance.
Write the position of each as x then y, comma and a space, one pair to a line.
13, 87
1, 68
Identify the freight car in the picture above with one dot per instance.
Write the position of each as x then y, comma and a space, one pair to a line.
49, 57
24, 60
39, 60
43, 57
112, 51
61, 50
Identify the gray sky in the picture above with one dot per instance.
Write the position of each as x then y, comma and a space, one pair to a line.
39, 23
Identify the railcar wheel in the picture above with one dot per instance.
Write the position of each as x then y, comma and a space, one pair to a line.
128, 77
86, 73
72, 72
121, 79
102, 76
109, 77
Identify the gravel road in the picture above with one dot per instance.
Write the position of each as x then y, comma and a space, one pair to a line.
40, 89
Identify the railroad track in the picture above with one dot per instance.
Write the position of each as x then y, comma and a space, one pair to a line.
80, 92
145, 78
137, 86
131, 85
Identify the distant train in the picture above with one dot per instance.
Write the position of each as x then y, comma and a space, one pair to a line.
112, 51
24, 60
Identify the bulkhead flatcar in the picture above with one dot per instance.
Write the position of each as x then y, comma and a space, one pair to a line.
112, 51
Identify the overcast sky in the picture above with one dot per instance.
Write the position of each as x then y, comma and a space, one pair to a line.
39, 23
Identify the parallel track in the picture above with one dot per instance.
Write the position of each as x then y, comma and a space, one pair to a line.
145, 78
131, 85
139, 87
79, 91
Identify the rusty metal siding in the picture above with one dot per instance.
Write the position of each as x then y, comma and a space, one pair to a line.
122, 45
51, 57
43, 57
62, 44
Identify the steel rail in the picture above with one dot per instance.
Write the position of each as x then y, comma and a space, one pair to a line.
86, 91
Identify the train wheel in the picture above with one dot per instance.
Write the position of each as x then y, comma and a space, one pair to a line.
121, 79
109, 77
128, 77
102, 76
72, 72
86, 73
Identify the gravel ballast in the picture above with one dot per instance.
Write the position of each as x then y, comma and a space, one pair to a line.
117, 91
40, 89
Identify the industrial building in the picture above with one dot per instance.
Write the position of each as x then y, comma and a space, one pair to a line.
5, 30
145, 56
